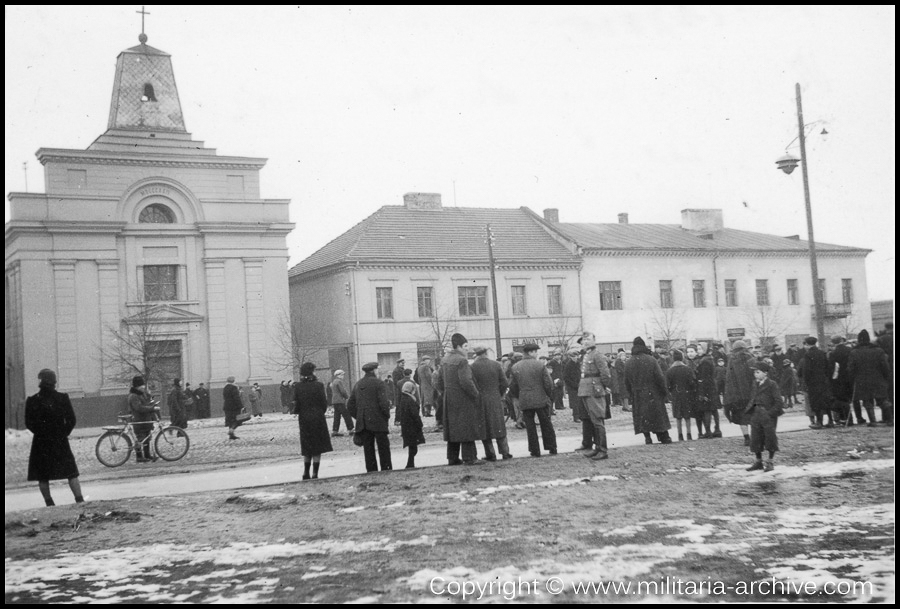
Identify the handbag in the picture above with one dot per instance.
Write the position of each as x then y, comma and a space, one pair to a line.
357, 439
243, 416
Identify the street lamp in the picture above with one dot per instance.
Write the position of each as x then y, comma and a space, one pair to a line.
787, 164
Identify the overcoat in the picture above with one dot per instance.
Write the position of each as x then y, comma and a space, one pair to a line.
531, 383
50, 417
424, 377
814, 372
410, 421
369, 404
842, 386
462, 415
870, 372
646, 386
682, 385
310, 405
707, 390
491, 384
738, 385
232, 404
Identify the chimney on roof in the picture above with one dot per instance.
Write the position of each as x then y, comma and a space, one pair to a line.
551, 215
422, 200
623, 218
702, 220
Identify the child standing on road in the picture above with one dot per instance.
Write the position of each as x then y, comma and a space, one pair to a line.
764, 408
410, 422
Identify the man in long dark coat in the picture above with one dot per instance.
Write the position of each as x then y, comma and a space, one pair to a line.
463, 419
841, 383
708, 402
682, 385
871, 374
556, 372
739, 379
369, 404
814, 372
231, 394
201, 398
491, 383
571, 378
646, 385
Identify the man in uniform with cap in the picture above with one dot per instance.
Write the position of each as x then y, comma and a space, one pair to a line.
368, 403
463, 419
595, 378
532, 386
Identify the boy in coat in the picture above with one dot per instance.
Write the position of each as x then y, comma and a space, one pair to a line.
764, 408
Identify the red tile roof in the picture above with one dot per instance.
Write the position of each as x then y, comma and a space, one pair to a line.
454, 235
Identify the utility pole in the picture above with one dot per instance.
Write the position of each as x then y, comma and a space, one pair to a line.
817, 293
490, 243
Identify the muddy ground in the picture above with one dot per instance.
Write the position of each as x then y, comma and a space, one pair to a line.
683, 522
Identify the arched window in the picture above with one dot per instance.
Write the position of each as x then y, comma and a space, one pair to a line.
156, 214
148, 93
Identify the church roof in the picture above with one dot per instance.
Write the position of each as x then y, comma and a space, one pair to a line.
673, 237
449, 235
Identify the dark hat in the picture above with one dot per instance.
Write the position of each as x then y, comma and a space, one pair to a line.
837, 339
863, 338
762, 366
401, 361
201, 385
407, 372
257, 384
307, 368
47, 376
621, 350
786, 362
370, 366
176, 381
793, 344
776, 347
693, 346
585, 335
677, 355
810, 340
639, 342
529, 348
137, 381
480, 350
457, 340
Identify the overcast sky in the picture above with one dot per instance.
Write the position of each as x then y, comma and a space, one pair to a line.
594, 111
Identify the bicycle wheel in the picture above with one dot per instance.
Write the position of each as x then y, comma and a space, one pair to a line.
172, 443
113, 448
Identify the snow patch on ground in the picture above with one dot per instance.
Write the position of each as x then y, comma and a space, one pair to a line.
128, 566
473, 495
264, 496
350, 510
733, 473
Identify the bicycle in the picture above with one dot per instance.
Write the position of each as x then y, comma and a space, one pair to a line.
114, 446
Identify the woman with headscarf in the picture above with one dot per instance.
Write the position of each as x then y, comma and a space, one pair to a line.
646, 386
410, 421
310, 406
50, 417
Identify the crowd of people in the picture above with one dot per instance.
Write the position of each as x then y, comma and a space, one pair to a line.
751, 386
472, 401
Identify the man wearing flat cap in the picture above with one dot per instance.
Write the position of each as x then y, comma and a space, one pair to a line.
369, 404
492, 384
764, 407
531, 384
463, 418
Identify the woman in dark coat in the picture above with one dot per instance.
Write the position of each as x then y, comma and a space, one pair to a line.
708, 402
871, 375
814, 372
646, 386
739, 381
310, 406
682, 386
50, 417
410, 421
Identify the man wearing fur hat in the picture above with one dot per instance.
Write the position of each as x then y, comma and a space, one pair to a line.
463, 418
646, 384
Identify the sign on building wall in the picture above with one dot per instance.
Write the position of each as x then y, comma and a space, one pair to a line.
736, 333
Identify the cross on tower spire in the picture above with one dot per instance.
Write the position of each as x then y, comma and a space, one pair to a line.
143, 36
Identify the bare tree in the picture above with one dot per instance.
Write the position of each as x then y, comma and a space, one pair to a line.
289, 347
767, 323
668, 326
564, 331
137, 346
850, 326
441, 325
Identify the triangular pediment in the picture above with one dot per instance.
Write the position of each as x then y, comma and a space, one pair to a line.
162, 314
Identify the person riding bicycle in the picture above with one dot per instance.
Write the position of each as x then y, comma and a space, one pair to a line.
144, 413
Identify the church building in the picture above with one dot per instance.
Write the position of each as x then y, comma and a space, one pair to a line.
146, 244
